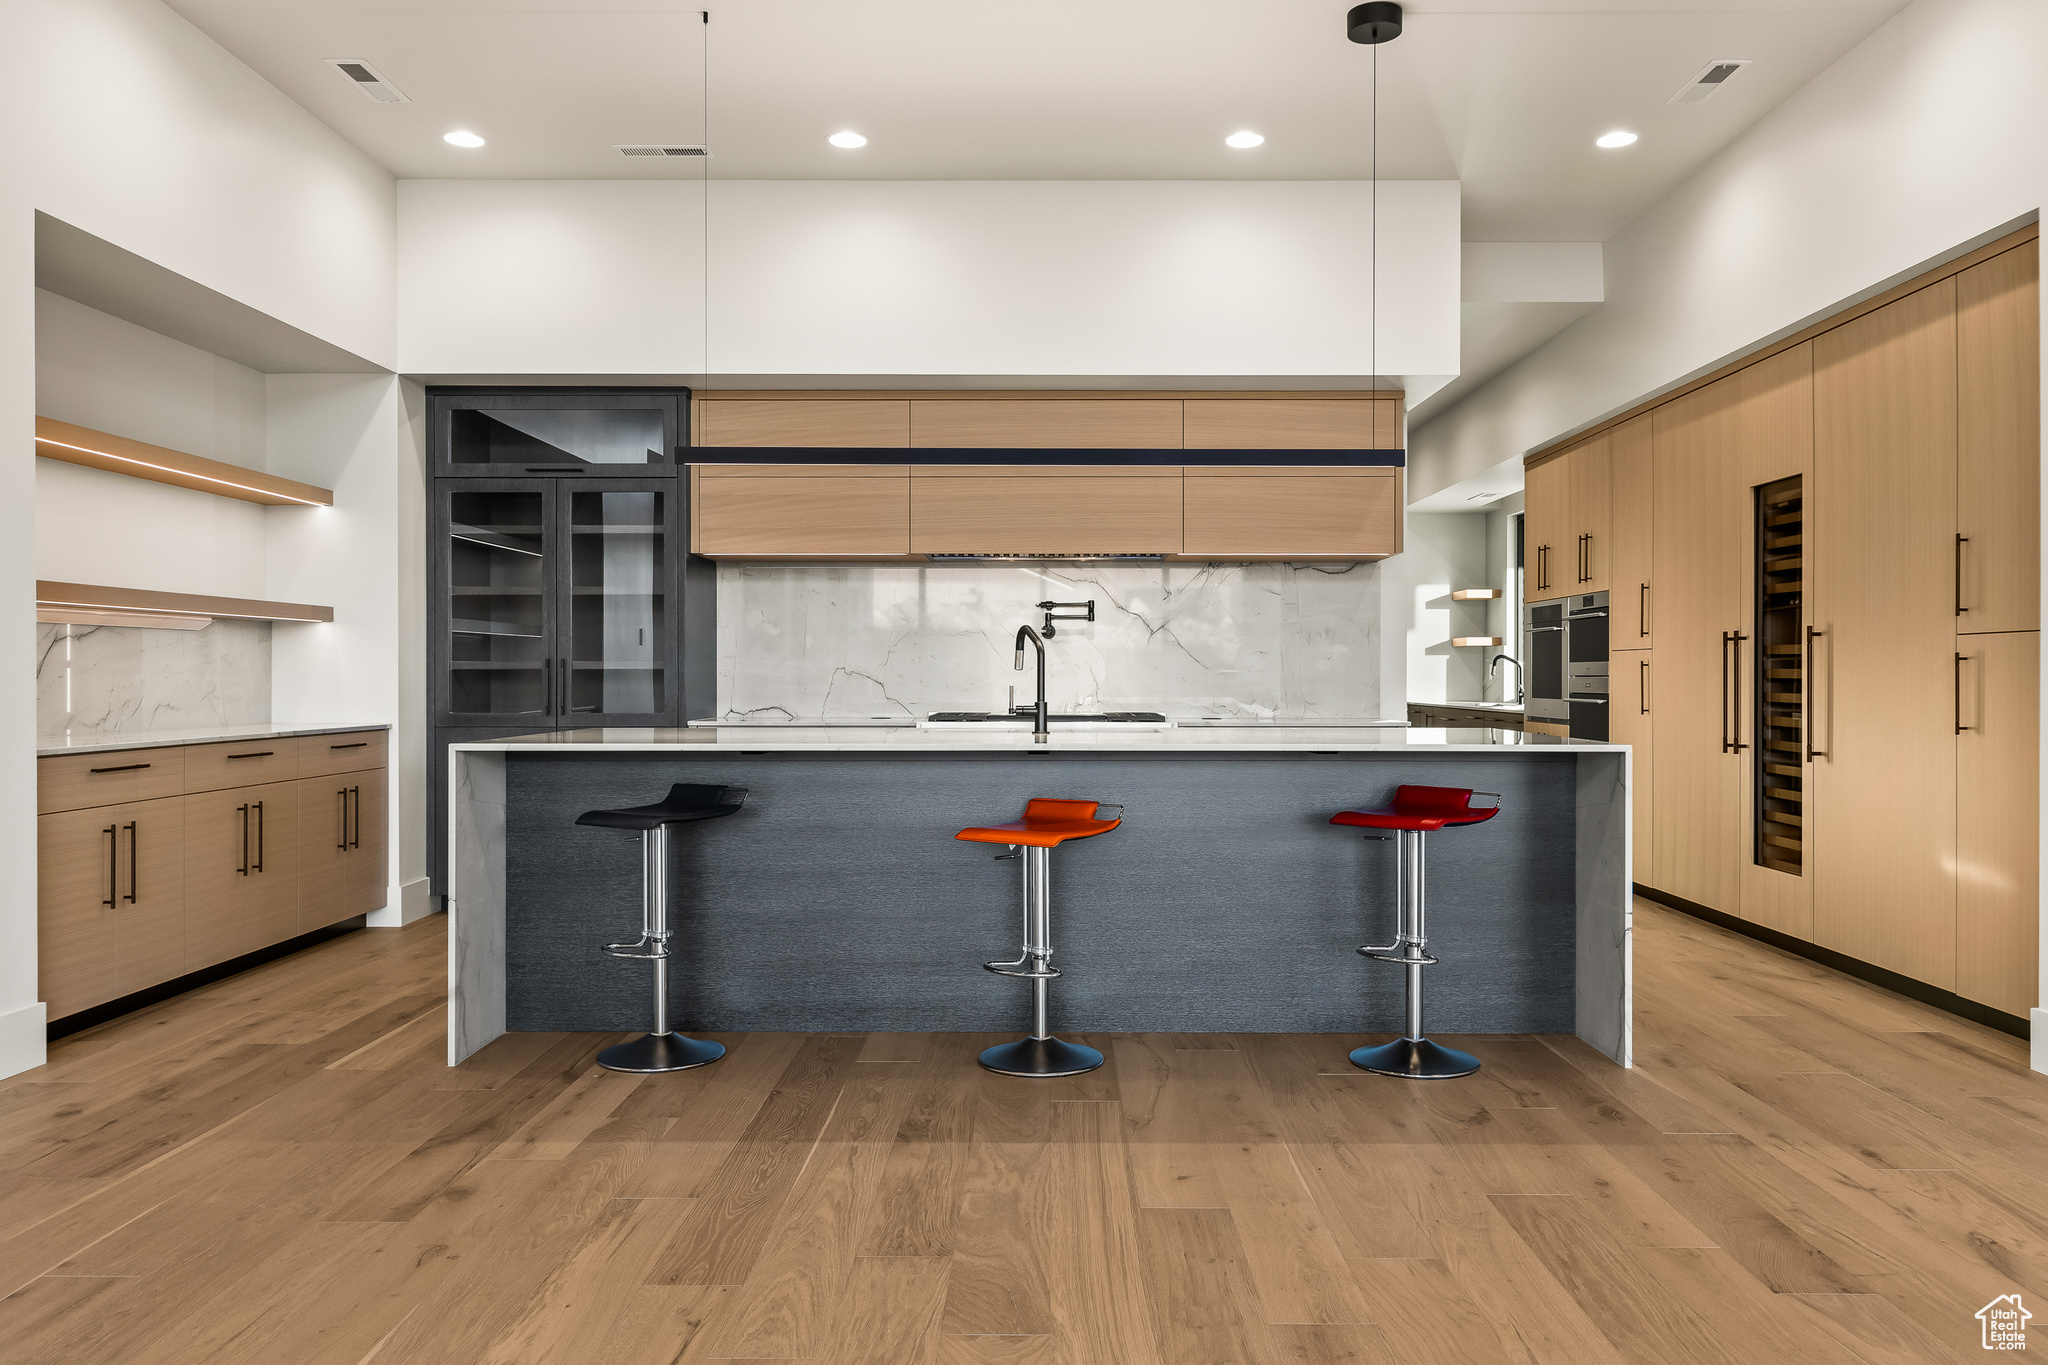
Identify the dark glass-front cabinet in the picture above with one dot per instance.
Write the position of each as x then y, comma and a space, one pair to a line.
593, 433
561, 591
558, 597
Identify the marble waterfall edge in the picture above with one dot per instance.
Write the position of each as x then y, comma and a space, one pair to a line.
96, 681
1291, 641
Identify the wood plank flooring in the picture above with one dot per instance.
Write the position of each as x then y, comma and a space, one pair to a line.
279, 1168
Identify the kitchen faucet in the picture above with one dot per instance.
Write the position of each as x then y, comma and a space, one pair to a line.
1492, 671
1038, 716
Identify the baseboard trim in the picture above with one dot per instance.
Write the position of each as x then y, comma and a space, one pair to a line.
192, 981
23, 1044
1856, 967
412, 902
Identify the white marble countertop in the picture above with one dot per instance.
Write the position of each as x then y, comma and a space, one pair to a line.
48, 746
1007, 739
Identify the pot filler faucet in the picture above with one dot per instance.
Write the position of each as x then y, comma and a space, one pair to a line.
1493, 671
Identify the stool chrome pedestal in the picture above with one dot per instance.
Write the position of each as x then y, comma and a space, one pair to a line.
1416, 811
1046, 824
661, 1049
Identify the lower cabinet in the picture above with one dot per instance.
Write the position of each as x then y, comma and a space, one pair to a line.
137, 893
110, 892
1998, 818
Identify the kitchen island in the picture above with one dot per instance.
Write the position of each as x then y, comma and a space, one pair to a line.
838, 900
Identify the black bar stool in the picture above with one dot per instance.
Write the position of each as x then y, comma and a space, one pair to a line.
1046, 824
661, 1050
1416, 811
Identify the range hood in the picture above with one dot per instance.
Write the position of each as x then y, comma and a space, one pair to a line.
1134, 557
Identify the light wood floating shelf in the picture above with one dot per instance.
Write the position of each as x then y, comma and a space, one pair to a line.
1476, 594
53, 600
1475, 639
57, 440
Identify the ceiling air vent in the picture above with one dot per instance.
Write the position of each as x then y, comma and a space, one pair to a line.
369, 80
660, 149
1709, 81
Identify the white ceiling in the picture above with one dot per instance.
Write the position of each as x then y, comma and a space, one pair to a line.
1505, 95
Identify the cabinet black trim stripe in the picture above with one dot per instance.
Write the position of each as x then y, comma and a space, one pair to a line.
922, 455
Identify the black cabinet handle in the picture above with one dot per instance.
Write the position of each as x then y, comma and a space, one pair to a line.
562, 675
554, 469
355, 796
1960, 727
133, 885
1736, 745
257, 866
262, 753
124, 768
359, 744
343, 794
1643, 613
547, 687
113, 865
1961, 541
1643, 685
243, 870
1809, 695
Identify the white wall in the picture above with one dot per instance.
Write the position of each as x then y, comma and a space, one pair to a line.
925, 277
95, 526
1929, 137
1441, 551
1930, 134
143, 131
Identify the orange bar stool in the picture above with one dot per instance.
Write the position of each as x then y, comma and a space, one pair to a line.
686, 802
1046, 825
1416, 811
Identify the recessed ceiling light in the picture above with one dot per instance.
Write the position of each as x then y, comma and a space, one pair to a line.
1247, 138
848, 139
1617, 138
462, 139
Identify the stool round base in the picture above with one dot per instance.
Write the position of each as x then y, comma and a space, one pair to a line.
1041, 1057
1416, 1058
652, 1052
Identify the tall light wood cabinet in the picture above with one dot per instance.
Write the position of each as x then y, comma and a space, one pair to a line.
1629, 587
1998, 443
1546, 530
1696, 448
1631, 686
1998, 819
1883, 511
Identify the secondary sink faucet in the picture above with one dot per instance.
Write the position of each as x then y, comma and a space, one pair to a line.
1493, 671
1038, 716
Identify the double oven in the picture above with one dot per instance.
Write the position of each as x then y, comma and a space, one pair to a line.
1564, 646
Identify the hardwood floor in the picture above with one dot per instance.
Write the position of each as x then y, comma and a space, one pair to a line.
279, 1168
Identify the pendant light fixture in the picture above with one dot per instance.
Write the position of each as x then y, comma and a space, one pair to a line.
1373, 24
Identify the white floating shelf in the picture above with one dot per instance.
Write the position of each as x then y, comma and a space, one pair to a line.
1477, 595
1475, 639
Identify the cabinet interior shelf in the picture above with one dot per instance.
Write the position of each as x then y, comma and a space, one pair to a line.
88, 604
72, 444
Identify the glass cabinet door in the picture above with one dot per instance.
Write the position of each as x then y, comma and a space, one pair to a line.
618, 643
621, 433
498, 662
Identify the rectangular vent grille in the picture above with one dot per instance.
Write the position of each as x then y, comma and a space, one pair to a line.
1709, 81
369, 80
659, 149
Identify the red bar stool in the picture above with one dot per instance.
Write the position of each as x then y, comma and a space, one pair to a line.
1416, 811
1046, 825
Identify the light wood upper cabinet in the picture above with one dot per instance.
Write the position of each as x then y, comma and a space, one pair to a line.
1590, 476
1998, 341
1034, 423
1291, 424
801, 511
874, 422
1631, 592
1292, 514
1880, 519
1998, 828
1045, 510
110, 901
1547, 554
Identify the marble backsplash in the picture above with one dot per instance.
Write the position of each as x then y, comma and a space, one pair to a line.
108, 680
801, 641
